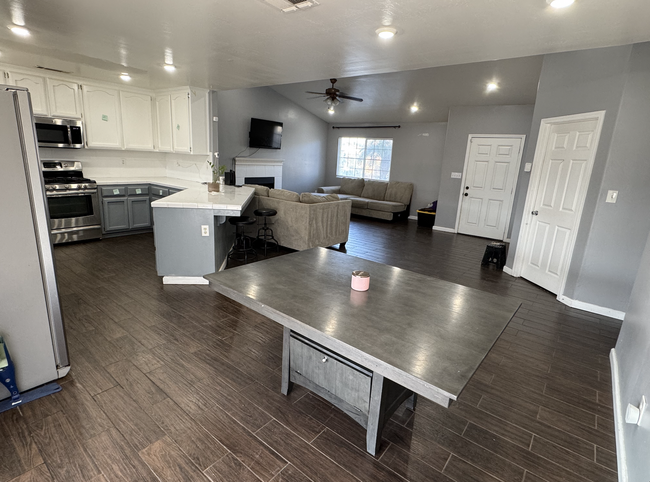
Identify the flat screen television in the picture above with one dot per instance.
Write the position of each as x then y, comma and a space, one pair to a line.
265, 134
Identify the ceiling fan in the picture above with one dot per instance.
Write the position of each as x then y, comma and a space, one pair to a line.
333, 95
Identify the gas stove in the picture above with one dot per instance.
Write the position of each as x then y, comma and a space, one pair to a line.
62, 176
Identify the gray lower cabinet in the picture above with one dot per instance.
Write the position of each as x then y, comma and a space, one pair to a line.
125, 208
116, 214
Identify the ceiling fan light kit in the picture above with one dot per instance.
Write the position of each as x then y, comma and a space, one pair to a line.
386, 32
333, 96
560, 3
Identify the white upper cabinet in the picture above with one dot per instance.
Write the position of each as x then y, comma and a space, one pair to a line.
102, 116
164, 124
64, 98
36, 87
137, 121
181, 127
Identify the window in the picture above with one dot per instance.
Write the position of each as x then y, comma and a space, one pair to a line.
364, 158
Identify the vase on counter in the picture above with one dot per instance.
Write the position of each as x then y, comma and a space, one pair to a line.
217, 185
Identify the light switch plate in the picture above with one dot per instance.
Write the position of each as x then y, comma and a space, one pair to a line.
456, 175
528, 166
612, 196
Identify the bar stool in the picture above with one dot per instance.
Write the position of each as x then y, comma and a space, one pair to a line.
243, 247
265, 234
495, 253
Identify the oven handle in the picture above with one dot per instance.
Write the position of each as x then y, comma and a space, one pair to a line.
71, 193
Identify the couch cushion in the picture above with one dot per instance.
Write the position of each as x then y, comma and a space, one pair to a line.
374, 190
400, 192
352, 186
259, 190
359, 202
387, 206
309, 198
284, 194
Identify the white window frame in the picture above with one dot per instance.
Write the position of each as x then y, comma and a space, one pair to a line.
364, 159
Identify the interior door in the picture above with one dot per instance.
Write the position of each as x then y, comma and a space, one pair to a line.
490, 176
569, 152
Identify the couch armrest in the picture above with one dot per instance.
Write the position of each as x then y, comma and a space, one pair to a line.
329, 189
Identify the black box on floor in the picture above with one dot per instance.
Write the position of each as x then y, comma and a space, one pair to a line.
426, 217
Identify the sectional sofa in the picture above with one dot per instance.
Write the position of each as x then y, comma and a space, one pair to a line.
304, 220
377, 199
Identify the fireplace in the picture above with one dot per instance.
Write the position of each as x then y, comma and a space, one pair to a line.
261, 181
247, 168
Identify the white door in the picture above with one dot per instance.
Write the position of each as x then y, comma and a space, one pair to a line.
181, 121
36, 87
102, 114
137, 121
490, 174
64, 98
556, 196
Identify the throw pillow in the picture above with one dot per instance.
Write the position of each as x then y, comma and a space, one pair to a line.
309, 198
374, 190
285, 195
259, 190
351, 186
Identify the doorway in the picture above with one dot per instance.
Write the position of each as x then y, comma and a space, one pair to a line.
562, 166
489, 180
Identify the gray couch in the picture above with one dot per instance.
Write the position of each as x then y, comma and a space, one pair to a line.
377, 199
304, 220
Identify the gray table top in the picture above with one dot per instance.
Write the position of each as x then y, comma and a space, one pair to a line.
424, 333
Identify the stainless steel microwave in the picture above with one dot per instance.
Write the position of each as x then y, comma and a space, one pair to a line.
59, 132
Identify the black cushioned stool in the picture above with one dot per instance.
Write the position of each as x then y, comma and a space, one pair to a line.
265, 234
495, 253
243, 247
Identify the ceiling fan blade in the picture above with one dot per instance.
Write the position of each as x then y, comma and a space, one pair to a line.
356, 99
317, 93
316, 97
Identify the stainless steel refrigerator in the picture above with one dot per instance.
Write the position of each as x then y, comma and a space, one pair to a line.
30, 314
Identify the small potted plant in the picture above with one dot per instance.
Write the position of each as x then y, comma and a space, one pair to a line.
218, 181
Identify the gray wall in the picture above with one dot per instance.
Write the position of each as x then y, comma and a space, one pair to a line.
633, 353
610, 238
417, 157
463, 121
303, 137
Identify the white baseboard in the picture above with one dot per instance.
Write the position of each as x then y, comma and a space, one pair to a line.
599, 310
619, 419
184, 280
444, 230
415, 218
509, 271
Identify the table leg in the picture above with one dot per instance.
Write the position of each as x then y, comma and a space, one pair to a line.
286, 367
375, 414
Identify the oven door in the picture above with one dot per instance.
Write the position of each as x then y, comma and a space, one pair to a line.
73, 209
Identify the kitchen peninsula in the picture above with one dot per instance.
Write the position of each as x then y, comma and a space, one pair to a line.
191, 235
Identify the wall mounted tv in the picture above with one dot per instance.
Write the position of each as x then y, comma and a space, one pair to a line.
265, 134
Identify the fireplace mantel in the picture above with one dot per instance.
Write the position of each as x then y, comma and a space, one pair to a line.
258, 167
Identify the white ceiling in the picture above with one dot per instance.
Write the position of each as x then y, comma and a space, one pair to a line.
229, 44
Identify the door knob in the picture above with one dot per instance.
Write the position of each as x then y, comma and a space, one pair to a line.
466, 187
535, 213
466, 194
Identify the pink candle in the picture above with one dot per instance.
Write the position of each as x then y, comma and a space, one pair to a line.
360, 280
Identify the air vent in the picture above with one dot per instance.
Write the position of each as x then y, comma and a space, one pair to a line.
288, 6
52, 70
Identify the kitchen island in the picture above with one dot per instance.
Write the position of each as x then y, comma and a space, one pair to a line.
191, 235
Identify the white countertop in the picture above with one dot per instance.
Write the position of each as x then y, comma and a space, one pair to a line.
195, 195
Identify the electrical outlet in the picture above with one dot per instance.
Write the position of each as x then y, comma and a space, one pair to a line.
123, 161
205, 230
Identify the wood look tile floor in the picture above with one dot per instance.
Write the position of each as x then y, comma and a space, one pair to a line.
177, 383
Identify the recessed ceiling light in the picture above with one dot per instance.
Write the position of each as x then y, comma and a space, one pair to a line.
169, 67
491, 87
20, 31
386, 32
330, 110
125, 77
560, 3
414, 108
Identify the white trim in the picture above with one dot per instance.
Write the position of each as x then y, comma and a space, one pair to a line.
619, 419
63, 371
514, 181
184, 280
545, 128
257, 161
599, 310
444, 230
507, 270
413, 217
